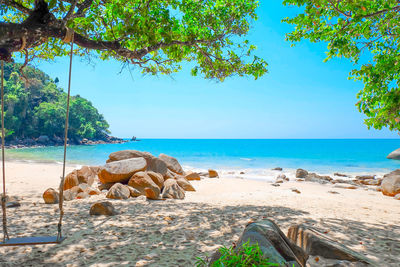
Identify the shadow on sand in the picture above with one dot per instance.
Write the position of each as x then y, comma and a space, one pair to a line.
168, 233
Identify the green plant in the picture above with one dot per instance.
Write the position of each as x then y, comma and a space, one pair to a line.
248, 255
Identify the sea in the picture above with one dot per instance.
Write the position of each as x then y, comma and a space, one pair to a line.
247, 155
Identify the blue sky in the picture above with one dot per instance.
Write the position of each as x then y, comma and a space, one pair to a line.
300, 97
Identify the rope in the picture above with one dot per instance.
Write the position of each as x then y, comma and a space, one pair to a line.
61, 195
23, 44
69, 35
3, 198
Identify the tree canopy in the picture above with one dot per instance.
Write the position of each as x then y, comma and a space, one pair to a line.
37, 107
157, 36
367, 32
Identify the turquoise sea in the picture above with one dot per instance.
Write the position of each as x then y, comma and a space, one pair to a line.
343, 155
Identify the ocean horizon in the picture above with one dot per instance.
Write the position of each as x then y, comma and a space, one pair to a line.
318, 155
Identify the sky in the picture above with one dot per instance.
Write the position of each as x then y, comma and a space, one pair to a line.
300, 97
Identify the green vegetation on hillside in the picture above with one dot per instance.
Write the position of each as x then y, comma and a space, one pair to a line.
36, 106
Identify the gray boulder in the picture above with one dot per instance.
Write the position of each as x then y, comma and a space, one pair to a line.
128, 154
273, 243
121, 171
172, 190
317, 244
394, 155
391, 183
119, 191
300, 173
103, 208
172, 163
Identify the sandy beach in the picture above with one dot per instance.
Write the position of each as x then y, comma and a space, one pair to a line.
175, 232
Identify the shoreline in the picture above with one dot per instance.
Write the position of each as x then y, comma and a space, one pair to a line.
171, 232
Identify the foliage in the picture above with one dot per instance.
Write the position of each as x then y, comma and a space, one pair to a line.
248, 255
36, 106
156, 36
365, 31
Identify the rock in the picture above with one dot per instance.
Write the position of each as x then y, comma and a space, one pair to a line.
296, 191
192, 176
242, 173
342, 181
70, 194
273, 243
105, 186
134, 192
276, 185
212, 173
313, 177
172, 190
118, 191
157, 178
86, 175
365, 177
172, 163
318, 244
129, 154
375, 182
143, 182
92, 191
71, 180
278, 181
82, 195
394, 154
333, 192
277, 169
206, 173
157, 165
345, 186
102, 208
182, 182
391, 183
169, 175
300, 173
43, 139
122, 170
282, 177
397, 196
340, 174
50, 196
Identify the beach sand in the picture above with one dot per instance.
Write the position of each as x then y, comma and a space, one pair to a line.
175, 232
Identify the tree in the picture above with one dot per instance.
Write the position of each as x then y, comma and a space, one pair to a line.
367, 32
157, 36
39, 108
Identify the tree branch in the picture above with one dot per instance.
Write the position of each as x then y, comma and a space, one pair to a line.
16, 5
70, 12
11, 33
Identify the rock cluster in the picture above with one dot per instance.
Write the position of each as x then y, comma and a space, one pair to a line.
297, 248
45, 140
129, 173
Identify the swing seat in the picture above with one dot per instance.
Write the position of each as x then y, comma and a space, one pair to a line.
32, 240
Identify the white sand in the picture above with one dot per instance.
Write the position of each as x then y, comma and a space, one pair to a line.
175, 232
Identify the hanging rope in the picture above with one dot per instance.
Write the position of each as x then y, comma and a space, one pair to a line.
61, 195
3, 197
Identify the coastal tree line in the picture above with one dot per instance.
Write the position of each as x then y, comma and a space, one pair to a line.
36, 106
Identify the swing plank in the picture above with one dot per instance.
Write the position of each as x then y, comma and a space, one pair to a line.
32, 240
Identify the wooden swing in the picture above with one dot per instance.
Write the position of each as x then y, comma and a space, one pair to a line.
36, 240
